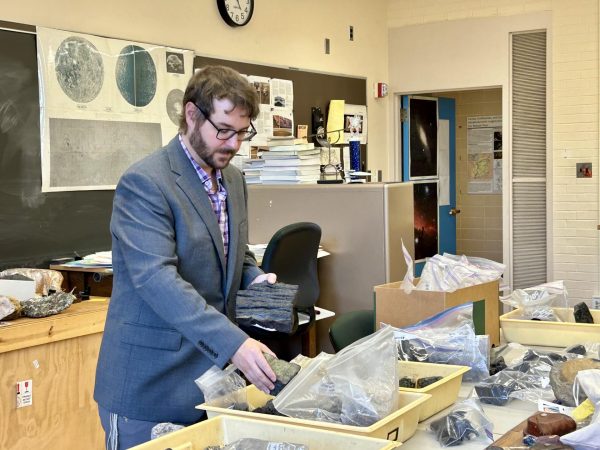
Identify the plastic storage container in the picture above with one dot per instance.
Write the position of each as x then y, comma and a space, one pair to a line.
398, 426
225, 430
443, 392
550, 334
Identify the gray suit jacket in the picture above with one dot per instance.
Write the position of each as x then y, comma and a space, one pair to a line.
173, 290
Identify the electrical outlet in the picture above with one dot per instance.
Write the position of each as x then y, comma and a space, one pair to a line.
596, 302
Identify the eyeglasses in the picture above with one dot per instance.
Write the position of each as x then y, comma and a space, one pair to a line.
224, 134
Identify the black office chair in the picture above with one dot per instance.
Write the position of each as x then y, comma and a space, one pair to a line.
350, 327
292, 255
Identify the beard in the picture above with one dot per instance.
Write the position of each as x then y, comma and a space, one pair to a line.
215, 158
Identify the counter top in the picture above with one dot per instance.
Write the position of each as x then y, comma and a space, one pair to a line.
79, 319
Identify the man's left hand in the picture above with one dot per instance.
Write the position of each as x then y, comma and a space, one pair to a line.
270, 278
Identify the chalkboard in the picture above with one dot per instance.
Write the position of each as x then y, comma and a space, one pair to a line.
310, 89
36, 226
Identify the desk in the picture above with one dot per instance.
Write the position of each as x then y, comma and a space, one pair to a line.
97, 279
59, 354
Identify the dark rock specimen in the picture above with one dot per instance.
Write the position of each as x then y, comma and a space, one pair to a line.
582, 313
268, 408
546, 424
497, 365
453, 429
47, 305
284, 371
268, 305
426, 381
578, 349
407, 382
495, 393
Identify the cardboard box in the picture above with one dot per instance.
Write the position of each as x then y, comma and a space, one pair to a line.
399, 309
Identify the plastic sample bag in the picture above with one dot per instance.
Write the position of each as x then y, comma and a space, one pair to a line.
357, 386
259, 444
223, 388
446, 338
528, 379
466, 422
448, 272
537, 302
586, 438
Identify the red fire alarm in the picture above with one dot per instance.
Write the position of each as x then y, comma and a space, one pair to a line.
380, 90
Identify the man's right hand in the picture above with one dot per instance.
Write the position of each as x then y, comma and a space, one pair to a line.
250, 360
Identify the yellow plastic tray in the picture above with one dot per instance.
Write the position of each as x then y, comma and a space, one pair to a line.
443, 392
226, 429
398, 426
550, 334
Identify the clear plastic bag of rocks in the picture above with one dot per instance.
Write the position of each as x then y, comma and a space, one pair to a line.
446, 338
528, 379
536, 303
587, 437
345, 388
466, 422
449, 272
258, 444
586, 350
223, 388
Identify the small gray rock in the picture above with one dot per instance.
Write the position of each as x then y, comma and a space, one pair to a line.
47, 305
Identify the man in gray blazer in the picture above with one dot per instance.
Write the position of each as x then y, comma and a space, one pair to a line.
180, 233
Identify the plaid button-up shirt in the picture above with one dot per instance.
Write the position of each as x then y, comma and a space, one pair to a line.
218, 197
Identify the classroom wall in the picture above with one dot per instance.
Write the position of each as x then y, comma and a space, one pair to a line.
281, 33
439, 45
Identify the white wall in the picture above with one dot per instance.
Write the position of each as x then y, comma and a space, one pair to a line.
441, 45
282, 33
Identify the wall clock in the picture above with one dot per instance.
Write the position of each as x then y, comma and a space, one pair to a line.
236, 13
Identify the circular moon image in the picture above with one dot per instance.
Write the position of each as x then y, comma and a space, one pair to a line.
79, 69
174, 105
136, 75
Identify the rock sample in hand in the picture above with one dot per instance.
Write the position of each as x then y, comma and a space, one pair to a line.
48, 305
10, 308
582, 313
284, 371
268, 305
562, 377
547, 424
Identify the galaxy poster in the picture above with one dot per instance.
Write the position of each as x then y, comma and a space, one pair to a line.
426, 219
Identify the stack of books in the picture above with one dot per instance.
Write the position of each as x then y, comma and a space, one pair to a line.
294, 163
251, 169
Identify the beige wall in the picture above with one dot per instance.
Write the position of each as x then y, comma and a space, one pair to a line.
479, 224
439, 45
282, 33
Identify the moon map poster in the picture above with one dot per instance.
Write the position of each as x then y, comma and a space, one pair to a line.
105, 103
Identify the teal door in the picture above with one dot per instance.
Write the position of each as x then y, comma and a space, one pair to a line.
428, 160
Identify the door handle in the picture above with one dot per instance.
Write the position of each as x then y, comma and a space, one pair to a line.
454, 212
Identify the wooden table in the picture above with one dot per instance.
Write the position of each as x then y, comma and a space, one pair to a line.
97, 279
59, 354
